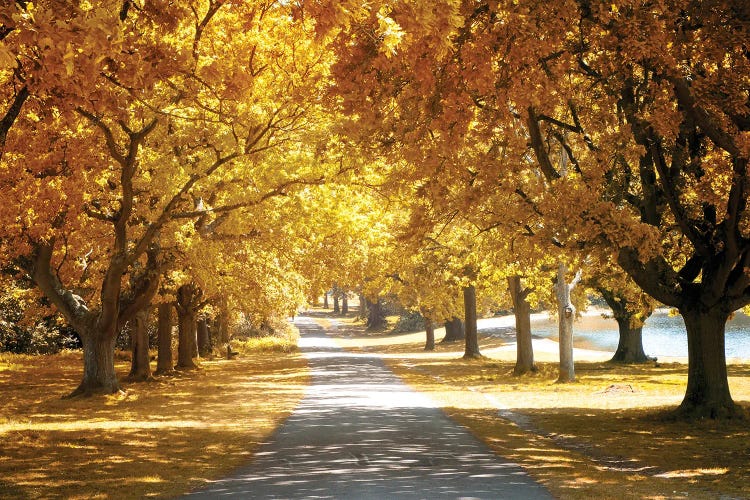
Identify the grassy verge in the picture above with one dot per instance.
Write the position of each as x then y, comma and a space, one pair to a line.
601, 437
159, 439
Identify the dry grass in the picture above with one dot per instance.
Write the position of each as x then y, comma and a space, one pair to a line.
601, 437
159, 439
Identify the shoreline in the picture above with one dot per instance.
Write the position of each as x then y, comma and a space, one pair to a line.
593, 319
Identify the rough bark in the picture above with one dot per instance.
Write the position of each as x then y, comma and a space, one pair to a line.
566, 314
363, 311
630, 328
522, 313
165, 360
429, 329
344, 303
336, 306
454, 330
376, 315
140, 366
204, 338
471, 344
186, 341
98, 365
325, 300
220, 330
97, 329
630, 344
707, 394
187, 347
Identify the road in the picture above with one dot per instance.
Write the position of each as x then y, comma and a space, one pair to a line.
361, 433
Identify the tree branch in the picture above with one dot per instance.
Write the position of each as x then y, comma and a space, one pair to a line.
537, 144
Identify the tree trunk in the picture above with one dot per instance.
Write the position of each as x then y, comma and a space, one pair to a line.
98, 365
630, 328
376, 315
363, 311
522, 313
165, 361
204, 338
344, 304
223, 324
186, 344
454, 330
140, 366
336, 307
187, 347
630, 344
471, 346
325, 300
707, 394
429, 329
566, 313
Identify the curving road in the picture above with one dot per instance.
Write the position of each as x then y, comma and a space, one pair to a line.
361, 433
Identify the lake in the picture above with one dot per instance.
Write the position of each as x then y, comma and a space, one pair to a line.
663, 335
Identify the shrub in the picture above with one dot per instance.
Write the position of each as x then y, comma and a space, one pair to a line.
271, 336
409, 321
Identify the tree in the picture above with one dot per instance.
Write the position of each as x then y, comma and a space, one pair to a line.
522, 313
164, 360
471, 349
140, 369
115, 155
650, 105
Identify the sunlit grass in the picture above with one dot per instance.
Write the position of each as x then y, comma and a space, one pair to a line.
283, 341
601, 437
265, 344
161, 438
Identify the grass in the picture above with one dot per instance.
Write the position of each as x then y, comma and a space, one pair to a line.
158, 439
285, 341
601, 437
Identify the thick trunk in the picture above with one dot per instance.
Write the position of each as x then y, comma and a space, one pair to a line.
454, 330
224, 325
630, 344
344, 304
630, 327
566, 313
429, 329
363, 310
165, 361
140, 366
186, 345
471, 345
98, 364
376, 316
204, 338
336, 306
188, 303
522, 313
325, 300
707, 394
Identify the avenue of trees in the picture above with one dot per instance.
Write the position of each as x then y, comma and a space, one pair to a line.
218, 157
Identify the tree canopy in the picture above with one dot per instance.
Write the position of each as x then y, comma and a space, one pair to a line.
269, 150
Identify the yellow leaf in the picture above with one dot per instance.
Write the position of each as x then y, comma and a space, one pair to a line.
7, 59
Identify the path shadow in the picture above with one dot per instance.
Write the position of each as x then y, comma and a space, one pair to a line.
361, 433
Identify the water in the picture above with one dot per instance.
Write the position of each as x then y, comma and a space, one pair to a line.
663, 335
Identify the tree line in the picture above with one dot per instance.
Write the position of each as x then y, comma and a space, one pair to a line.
242, 156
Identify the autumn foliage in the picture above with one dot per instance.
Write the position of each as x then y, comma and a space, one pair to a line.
261, 152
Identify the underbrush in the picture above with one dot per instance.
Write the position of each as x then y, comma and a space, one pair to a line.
280, 336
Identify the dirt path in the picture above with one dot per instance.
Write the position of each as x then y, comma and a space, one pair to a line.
361, 433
